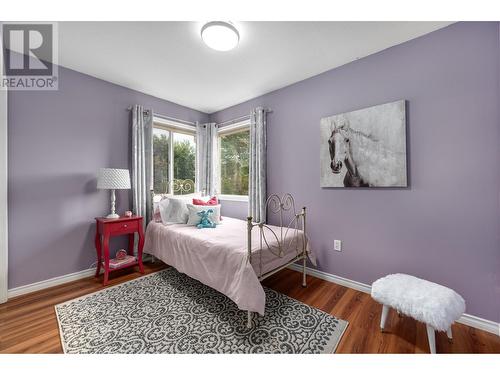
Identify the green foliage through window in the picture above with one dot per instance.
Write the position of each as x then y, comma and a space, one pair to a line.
234, 155
183, 163
160, 160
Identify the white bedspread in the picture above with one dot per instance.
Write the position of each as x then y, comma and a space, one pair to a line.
218, 257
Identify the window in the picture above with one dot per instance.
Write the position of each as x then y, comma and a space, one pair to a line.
174, 157
234, 152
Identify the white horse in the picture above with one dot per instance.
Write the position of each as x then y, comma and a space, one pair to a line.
367, 160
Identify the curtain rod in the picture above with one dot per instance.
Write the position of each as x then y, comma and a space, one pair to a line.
167, 117
232, 121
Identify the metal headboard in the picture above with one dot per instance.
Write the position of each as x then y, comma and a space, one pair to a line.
183, 186
179, 187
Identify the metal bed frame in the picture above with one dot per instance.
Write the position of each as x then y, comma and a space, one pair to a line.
282, 207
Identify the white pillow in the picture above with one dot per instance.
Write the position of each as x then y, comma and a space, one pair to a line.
194, 219
175, 213
173, 210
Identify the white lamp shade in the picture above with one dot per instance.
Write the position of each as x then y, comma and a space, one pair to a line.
111, 178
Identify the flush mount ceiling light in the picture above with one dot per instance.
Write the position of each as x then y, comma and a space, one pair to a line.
220, 36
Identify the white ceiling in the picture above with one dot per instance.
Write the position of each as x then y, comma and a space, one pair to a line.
170, 61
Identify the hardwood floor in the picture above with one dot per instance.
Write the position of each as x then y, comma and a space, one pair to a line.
28, 323
363, 335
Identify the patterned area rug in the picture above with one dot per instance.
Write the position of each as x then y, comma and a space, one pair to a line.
169, 312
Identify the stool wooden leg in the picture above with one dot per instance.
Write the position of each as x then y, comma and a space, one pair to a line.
432, 339
449, 334
383, 318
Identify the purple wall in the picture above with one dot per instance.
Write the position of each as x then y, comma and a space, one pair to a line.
57, 142
445, 226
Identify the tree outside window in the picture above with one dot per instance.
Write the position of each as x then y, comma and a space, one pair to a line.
234, 167
182, 168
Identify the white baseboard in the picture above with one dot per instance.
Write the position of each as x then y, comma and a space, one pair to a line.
467, 319
480, 323
20, 290
356, 285
39, 285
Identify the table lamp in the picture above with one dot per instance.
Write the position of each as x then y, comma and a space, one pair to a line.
111, 178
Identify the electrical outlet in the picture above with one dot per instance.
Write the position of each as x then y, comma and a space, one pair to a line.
337, 245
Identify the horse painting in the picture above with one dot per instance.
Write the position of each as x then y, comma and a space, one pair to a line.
365, 148
341, 154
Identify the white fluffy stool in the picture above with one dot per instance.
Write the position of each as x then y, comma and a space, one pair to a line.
435, 305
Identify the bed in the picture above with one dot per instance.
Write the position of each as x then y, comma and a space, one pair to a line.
235, 256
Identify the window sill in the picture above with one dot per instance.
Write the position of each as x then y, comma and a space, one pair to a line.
233, 198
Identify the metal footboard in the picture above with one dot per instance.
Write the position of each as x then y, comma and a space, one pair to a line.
279, 206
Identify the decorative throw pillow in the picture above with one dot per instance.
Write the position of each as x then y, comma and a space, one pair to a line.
194, 218
174, 210
211, 202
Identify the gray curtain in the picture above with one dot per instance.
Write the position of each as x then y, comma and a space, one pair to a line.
206, 148
257, 191
142, 161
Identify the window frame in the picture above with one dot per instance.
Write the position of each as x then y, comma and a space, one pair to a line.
236, 127
175, 127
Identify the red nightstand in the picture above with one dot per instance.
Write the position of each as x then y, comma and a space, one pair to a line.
105, 228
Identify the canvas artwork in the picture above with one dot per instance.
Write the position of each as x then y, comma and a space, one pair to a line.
365, 148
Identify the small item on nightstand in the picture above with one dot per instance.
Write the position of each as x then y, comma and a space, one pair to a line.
121, 254
128, 213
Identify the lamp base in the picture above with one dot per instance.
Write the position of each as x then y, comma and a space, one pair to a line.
113, 214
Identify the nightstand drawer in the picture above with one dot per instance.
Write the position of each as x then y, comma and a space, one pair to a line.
123, 227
